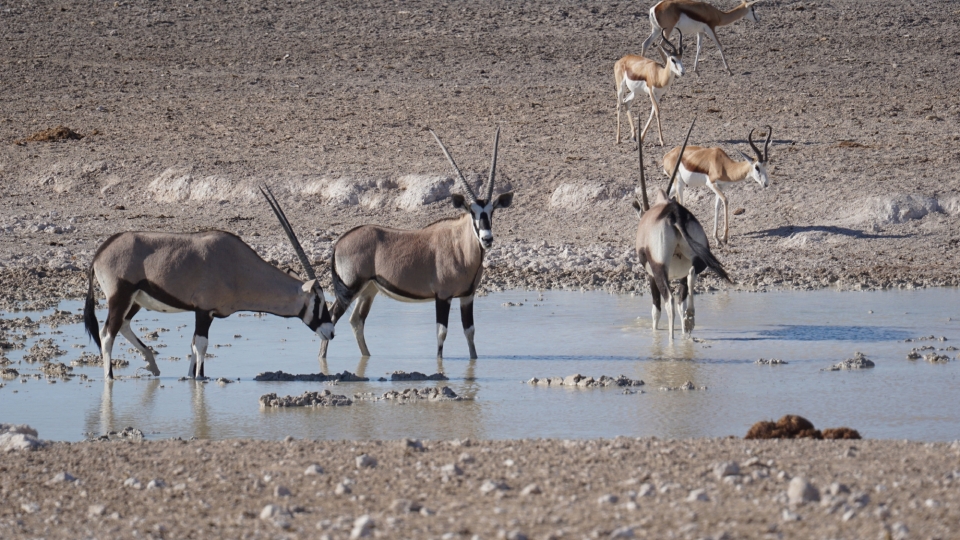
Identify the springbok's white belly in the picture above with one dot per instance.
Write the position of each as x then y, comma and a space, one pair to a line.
690, 178
146, 301
639, 86
689, 27
398, 297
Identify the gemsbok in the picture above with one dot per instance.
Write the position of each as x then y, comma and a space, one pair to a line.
671, 245
212, 273
714, 168
438, 263
633, 74
698, 18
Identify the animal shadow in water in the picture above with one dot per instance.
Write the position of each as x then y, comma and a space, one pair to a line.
787, 230
820, 332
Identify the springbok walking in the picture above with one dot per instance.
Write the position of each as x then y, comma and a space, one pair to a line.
438, 263
671, 245
698, 18
714, 168
212, 273
633, 74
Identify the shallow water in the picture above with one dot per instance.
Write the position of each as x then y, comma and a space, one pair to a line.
566, 332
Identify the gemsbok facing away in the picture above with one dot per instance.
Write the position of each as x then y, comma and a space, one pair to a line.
438, 263
635, 75
212, 273
714, 168
671, 245
691, 17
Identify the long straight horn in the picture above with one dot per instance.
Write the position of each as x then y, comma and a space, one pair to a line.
493, 166
285, 223
463, 181
754, 146
766, 145
643, 179
680, 157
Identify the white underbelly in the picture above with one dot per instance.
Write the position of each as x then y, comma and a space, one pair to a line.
679, 266
689, 27
398, 297
692, 179
146, 301
639, 88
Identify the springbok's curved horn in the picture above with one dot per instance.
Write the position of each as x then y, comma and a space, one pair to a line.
665, 41
463, 181
755, 149
275, 206
766, 145
680, 43
680, 157
493, 166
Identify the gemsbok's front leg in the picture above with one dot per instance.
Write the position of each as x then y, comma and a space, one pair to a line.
466, 317
443, 317
689, 311
200, 342
336, 311
358, 318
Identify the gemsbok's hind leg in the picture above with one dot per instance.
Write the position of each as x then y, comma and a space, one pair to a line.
127, 332
199, 345
466, 317
655, 311
443, 317
688, 313
117, 306
359, 316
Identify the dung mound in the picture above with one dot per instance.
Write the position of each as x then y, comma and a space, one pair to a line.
59, 133
792, 426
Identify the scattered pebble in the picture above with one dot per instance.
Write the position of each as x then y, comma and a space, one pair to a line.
362, 527
587, 382
323, 398
492, 485
281, 491
800, 491
363, 460
770, 362
859, 361
698, 495
728, 468
530, 489
313, 470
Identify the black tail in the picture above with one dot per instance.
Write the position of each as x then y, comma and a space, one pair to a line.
701, 250
90, 312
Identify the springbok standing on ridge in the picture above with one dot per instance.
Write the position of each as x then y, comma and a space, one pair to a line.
634, 73
212, 273
695, 18
440, 262
672, 245
714, 168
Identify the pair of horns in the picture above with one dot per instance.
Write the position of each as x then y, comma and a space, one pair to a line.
674, 51
285, 223
766, 145
468, 192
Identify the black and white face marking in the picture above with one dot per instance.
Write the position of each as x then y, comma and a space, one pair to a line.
482, 216
315, 313
676, 66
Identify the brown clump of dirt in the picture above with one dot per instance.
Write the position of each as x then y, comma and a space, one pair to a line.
851, 144
841, 433
59, 133
792, 426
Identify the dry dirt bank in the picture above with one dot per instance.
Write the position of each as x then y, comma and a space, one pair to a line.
583, 489
187, 106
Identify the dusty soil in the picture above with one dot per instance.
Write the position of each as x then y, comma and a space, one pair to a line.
587, 489
186, 107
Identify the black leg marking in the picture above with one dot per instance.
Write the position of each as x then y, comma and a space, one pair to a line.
655, 293
466, 314
443, 317
682, 290
204, 320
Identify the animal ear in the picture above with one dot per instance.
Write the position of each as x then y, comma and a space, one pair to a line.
661, 197
309, 285
459, 201
292, 273
636, 206
504, 200
744, 156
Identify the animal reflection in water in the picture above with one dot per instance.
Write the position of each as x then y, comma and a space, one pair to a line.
212, 273
438, 263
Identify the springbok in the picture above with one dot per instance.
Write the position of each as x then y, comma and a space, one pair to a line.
714, 168
671, 245
632, 73
212, 273
440, 262
695, 18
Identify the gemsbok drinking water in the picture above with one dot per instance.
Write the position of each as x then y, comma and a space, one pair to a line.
438, 263
212, 273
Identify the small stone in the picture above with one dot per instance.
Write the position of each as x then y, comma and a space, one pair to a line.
530, 489
698, 495
342, 489
800, 491
727, 468
63, 477
413, 445
466, 458
281, 491
424, 511
515, 535
646, 490
156, 484
622, 532
490, 485
96, 510
787, 515
607, 499
837, 488
363, 526
30, 508
451, 470
364, 460
931, 503
132, 482
273, 512
313, 470
508, 463
899, 531
848, 515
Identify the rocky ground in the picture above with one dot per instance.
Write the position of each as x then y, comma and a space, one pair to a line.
621, 488
184, 108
